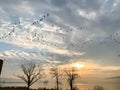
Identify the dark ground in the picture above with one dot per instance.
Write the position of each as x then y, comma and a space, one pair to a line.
21, 88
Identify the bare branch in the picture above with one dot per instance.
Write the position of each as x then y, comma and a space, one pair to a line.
31, 74
72, 75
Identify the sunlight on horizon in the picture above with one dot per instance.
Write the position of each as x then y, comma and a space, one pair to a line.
78, 65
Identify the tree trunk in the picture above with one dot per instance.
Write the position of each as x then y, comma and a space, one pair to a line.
28, 87
71, 85
57, 82
29, 83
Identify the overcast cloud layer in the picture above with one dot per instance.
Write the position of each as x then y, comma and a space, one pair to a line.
60, 31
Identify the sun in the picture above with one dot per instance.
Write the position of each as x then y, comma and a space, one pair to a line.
78, 65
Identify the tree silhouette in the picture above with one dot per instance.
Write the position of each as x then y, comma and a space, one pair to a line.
1, 63
56, 74
31, 74
72, 75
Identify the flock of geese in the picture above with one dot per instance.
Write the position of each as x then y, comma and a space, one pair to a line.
113, 37
5, 35
60, 33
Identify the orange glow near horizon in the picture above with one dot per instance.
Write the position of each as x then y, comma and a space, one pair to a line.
87, 69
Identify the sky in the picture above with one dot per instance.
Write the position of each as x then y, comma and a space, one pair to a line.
61, 32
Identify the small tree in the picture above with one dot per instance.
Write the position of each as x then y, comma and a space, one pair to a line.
56, 73
31, 74
72, 75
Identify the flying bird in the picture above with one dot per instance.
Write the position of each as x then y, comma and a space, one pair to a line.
52, 25
81, 28
47, 14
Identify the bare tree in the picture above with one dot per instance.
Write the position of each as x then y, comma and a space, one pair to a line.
72, 75
31, 74
56, 74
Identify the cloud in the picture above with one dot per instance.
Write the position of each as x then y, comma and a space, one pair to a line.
75, 28
60, 3
90, 15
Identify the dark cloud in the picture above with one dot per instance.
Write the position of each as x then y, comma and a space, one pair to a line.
59, 3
